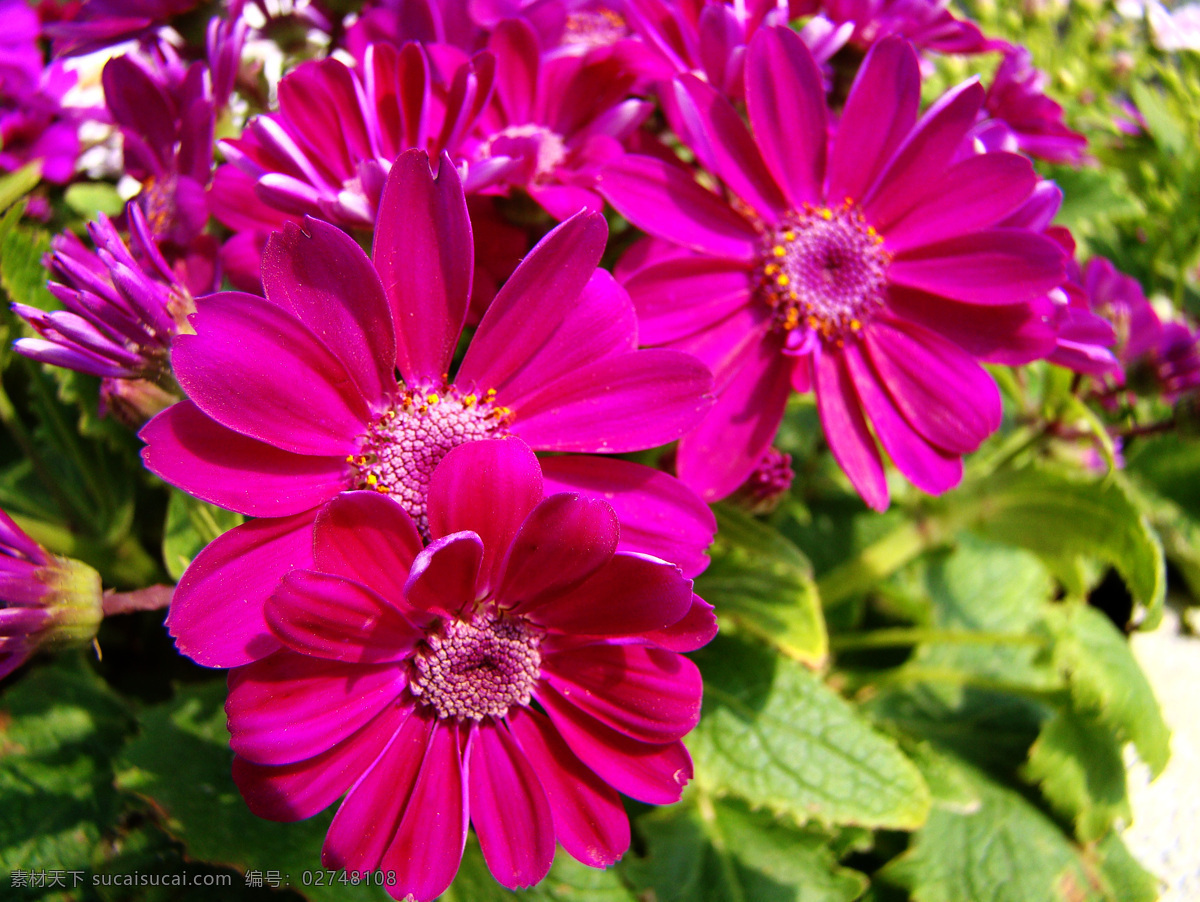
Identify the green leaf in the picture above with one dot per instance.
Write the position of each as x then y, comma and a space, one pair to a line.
718, 851
1077, 762
21, 270
1105, 680
1164, 127
181, 762
568, 881
1061, 518
1089, 193
761, 582
89, 198
60, 726
773, 734
16, 184
191, 524
1000, 849
1130, 881
1171, 465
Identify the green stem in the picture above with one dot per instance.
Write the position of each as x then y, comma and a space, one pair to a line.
97, 488
879, 560
909, 675
889, 638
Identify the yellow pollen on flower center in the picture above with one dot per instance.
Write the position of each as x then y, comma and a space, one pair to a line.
824, 269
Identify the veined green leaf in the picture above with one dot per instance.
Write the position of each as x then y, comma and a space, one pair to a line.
191, 524
772, 734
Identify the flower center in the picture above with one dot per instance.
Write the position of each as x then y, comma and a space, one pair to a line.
824, 269
478, 668
594, 28
545, 149
402, 446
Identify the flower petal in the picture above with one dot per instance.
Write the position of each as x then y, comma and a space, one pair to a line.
718, 455
367, 537
923, 157
443, 576
658, 515
217, 612
845, 429
195, 453
648, 694
293, 792
622, 403
429, 842
487, 487
696, 629
509, 809
947, 397
425, 257
366, 822
333, 617
711, 127
629, 595
589, 820
290, 707
563, 541
880, 111
323, 277
654, 774
678, 297
255, 368
536, 307
973, 194
663, 199
928, 467
785, 98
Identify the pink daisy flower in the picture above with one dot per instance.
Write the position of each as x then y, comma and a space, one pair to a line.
866, 267
516, 674
294, 398
927, 23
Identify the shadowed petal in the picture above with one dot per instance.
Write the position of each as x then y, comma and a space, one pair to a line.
696, 629
216, 614
629, 595
509, 809
658, 514
563, 541
367, 537
366, 822
678, 297
424, 254
589, 819
928, 467
290, 707
654, 774
292, 792
333, 617
647, 694
195, 453
443, 576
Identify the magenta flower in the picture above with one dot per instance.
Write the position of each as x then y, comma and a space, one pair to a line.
1024, 117
102, 23
122, 308
34, 126
1119, 298
45, 601
927, 23
554, 121
866, 268
294, 398
767, 485
166, 114
328, 149
407, 678
1175, 360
